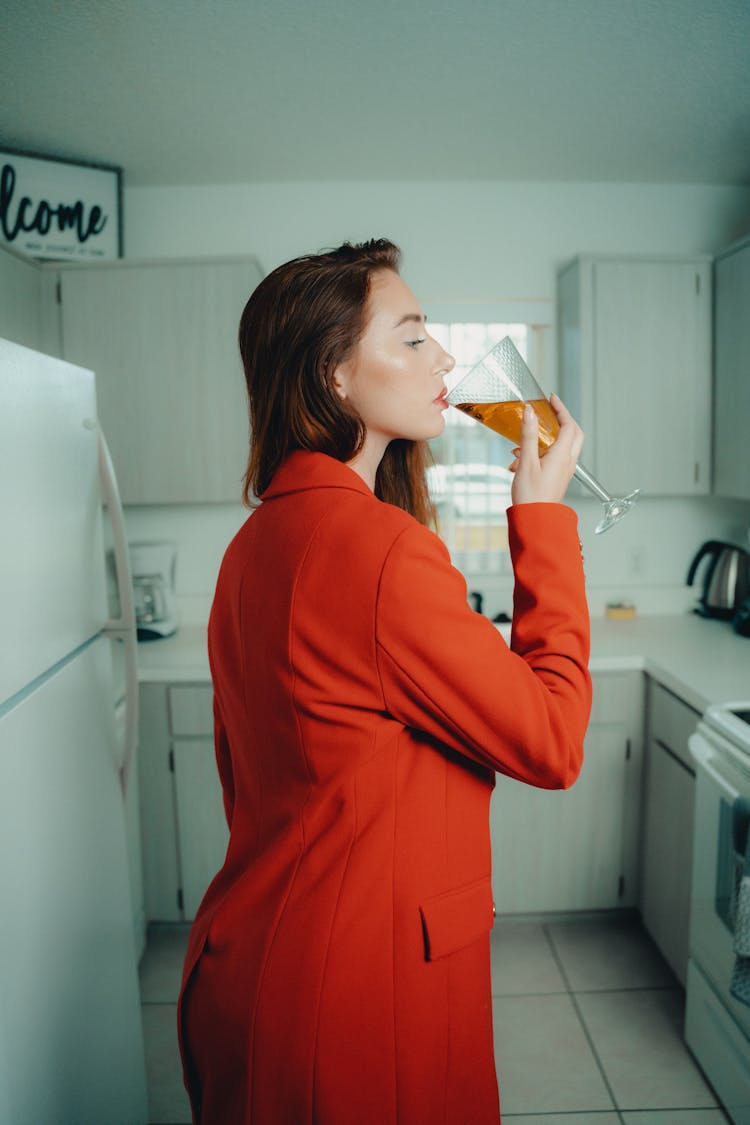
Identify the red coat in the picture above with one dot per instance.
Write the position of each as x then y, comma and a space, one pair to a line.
338, 967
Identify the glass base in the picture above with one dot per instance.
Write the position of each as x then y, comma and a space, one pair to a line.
615, 509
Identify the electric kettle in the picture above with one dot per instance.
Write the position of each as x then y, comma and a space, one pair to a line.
726, 578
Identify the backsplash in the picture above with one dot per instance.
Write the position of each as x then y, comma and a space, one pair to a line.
644, 560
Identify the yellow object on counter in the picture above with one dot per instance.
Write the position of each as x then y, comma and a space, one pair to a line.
619, 611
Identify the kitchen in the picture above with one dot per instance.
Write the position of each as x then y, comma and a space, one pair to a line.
486, 230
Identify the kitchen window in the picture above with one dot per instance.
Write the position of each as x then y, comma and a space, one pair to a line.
470, 481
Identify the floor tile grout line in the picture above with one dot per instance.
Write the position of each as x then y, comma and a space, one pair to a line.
582, 1022
624, 989
567, 989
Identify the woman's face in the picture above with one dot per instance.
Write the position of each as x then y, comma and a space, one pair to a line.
395, 378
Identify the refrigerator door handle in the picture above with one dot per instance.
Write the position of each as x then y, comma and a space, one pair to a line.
122, 627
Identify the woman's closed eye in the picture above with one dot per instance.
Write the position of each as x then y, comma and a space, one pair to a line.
415, 343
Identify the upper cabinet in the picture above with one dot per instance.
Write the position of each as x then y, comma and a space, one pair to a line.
28, 314
20, 285
634, 353
732, 371
162, 340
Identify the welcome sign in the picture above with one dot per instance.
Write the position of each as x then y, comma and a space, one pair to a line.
59, 209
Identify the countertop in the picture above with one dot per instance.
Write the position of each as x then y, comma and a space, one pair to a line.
702, 661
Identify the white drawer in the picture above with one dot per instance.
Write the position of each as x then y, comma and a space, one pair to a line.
671, 722
191, 710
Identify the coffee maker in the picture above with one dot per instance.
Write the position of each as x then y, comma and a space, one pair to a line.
153, 566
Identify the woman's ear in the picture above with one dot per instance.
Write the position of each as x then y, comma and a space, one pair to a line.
340, 380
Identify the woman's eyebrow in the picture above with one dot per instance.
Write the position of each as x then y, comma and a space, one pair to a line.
418, 317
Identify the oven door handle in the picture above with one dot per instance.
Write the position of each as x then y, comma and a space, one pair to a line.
703, 755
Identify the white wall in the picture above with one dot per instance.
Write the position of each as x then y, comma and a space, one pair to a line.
460, 240
465, 244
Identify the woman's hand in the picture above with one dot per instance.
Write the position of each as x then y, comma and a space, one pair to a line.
545, 479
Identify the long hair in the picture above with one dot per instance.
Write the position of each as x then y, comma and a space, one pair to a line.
304, 320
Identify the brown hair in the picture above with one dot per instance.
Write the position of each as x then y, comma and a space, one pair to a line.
303, 320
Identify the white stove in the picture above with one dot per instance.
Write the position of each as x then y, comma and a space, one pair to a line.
717, 1024
732, 721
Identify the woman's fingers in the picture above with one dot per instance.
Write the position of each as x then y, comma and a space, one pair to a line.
545, 479
560, 409
529, 434
571, 434
525, 487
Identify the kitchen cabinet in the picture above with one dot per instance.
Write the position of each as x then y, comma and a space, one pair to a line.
732, 371
552, 851
564, 850
202, 832
20, 300
162, 339
667, 844
28, 313
634, 353
161, 874
577, 849
184, 828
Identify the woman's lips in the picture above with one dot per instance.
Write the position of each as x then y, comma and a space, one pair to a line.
442, 398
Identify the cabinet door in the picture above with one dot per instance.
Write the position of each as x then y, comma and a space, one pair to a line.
667, 854
732, 375
669, 797
162, 340
562, 850
20, 301
201, 822
161, 870
576, 849
652, 386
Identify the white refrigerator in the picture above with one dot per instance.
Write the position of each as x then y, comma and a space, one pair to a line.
71, 1041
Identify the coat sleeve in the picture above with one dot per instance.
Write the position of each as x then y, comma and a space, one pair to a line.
446, 670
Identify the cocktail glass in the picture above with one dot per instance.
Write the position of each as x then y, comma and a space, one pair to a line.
495, 391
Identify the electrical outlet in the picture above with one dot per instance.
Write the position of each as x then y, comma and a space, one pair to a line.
637, 565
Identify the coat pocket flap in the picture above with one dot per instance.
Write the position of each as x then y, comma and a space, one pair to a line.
456, 918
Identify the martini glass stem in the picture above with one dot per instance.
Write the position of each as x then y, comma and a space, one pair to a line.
585, 477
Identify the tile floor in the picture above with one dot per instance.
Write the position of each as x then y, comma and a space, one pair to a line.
588, 1026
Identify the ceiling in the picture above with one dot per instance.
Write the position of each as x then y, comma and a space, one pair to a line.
227, 91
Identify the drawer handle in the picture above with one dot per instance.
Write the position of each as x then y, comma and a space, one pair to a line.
668, 750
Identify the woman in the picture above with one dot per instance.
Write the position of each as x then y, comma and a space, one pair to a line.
338, 967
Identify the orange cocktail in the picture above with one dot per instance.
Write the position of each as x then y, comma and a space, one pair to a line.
505, 419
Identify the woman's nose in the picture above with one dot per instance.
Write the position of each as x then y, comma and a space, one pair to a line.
447, 362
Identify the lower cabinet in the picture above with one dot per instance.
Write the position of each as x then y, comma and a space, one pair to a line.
183, 827
667, 842
202, 833
577, 849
